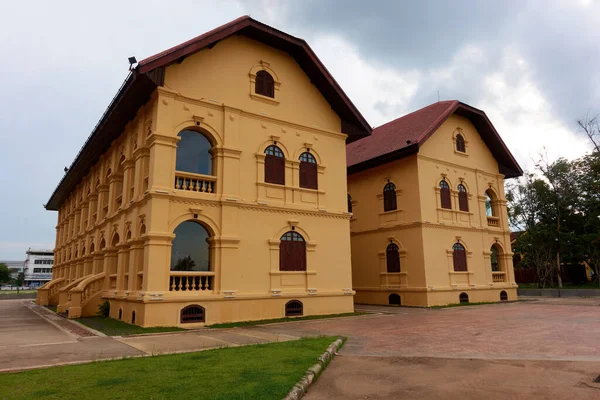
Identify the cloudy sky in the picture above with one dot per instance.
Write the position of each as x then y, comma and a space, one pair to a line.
532, 66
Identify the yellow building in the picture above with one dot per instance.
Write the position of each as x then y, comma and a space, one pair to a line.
430, 224
213, 188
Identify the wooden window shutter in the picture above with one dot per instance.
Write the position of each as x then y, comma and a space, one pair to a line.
459, 257
389, 197
265, 85
308, 175
292, 252
392, 256
445, 195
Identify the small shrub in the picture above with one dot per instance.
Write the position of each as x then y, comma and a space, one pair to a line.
104, 308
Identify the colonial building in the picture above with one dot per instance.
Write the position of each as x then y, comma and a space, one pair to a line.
213, 188
429, 224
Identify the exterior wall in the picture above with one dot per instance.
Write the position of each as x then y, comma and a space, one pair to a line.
426, 232
212, 92
38, 267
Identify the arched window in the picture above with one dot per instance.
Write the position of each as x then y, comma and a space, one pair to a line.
392, 258
274, 165
445, 195
120, 313
292, 252
459, 256
463, 198
193, 153
463, 297
190, 250
503, 296
394, 299
349, 203
294, 308
308, 171
133, 317
193, 313
460, 143
115, 240
494, 258
489, 205
265, 85
389, 197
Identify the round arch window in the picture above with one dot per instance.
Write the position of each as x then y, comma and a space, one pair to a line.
190, 249
193, 153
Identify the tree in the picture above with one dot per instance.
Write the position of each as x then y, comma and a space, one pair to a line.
4, 273
590, 125
185, 264
20, 280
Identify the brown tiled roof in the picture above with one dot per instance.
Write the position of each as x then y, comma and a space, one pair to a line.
405, 135
149, 74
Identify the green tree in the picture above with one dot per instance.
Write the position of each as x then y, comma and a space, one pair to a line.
4, 273
20, 281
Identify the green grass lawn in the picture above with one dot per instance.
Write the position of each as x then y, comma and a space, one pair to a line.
287, 319
15, 291
266, 371
483, 303
114, 327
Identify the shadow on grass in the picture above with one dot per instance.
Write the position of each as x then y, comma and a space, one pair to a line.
286, 319
113, 327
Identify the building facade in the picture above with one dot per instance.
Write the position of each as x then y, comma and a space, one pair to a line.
430, 225
38, 267
16, 267
213, 189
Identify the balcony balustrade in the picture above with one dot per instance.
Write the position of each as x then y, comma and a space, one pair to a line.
191, 281
498, 277
493, 222
195, 182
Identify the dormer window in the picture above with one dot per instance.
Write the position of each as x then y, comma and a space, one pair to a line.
265, 85
460, 144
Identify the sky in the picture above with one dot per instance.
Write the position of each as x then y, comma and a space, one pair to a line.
532, 66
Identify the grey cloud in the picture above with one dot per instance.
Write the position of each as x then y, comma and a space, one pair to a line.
559, 40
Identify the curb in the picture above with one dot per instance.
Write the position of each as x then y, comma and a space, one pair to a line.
311, 375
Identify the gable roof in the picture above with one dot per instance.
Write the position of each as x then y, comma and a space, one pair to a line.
405, 135
149, 74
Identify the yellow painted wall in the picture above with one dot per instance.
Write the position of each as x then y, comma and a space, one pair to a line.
424, 231
212, 92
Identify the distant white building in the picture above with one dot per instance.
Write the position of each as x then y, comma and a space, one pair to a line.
16, 267
38, 267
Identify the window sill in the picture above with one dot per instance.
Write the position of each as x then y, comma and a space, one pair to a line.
390, 212
298, 188
279, 273
460, 153
393, 273
460, 272
264, 99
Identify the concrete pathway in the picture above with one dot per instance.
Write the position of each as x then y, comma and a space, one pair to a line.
28, 340
35, 337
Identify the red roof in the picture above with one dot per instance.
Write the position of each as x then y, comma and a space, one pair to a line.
405, 135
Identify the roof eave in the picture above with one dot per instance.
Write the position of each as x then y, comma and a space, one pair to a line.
384, 159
